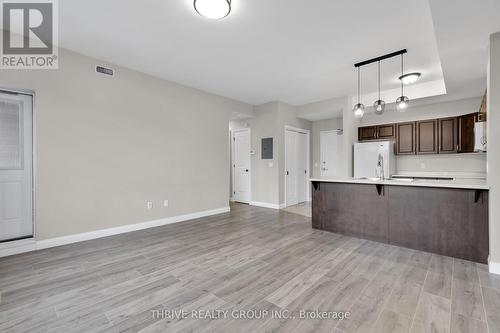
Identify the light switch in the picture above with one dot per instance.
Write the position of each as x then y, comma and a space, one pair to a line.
271, 164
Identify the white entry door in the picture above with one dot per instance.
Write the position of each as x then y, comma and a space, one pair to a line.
241, 166
296, 167
330, 151
16, 166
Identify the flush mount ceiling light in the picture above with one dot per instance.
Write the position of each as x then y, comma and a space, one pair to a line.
409, 78
402, 102
379, 105
358, 109
213, 9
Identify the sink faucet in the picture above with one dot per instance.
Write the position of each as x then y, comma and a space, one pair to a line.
380, 167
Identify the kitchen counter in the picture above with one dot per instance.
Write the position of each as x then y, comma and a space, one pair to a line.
463, 183
446, 217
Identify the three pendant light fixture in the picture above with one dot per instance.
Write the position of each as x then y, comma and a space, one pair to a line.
402, 102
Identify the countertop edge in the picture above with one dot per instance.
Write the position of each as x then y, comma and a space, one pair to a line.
403, 183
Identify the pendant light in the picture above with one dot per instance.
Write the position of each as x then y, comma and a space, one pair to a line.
213, 9
379, 105
403, 101
359, 109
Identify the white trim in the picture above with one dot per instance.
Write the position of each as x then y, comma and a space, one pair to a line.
494, 267
16, 247
52, 242
232, 160
266, 205
308, 164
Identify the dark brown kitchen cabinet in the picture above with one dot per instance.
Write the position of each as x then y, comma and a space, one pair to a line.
466, 133
336, 208
405, 138
367, 133
450, 222
386, 131
448, 135
446, 221
427, 137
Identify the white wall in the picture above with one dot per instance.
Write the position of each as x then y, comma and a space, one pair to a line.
105, 146
494, 150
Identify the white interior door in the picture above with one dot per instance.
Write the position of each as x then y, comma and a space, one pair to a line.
16, 166
241, 166
291, 167
302, 161
330, 151
296, 155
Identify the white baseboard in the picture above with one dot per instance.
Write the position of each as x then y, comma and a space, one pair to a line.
10, 249
282, 206
16, 247
494, 267
265, 205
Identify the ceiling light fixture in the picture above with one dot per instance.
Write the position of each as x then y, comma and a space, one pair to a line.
379, 105
409, 78
402, 102
213, 9
359, 109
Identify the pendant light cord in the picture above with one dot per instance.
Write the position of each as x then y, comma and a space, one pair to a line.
379, 80
402, 71
358, 85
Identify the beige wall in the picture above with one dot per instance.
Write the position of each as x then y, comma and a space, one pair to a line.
269, 121
494, 148
317, 127
105, 146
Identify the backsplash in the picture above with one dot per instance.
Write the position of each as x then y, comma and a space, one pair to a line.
457, 165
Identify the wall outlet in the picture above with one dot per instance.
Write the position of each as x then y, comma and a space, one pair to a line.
149, 205
422, 165
165, 203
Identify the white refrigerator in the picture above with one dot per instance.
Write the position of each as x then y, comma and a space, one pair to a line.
370, 158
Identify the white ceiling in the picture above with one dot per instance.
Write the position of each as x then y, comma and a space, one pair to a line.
296, 51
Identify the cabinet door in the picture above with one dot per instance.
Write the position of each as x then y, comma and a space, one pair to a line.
367, 133
386, 131
448, 135
445, 221
466, 133
427, 137
405, 138
351, 209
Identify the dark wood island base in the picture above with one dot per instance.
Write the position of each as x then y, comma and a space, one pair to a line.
446, 221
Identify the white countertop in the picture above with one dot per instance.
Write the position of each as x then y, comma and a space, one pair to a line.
466, 183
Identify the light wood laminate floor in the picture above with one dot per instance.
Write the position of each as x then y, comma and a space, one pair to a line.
249, 259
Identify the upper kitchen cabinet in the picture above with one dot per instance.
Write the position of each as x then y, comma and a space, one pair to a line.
405, 138
448, 135
367, 133
386, 131
427, 137
466, 133
380, 132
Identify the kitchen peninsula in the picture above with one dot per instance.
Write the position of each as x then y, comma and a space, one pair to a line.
447, 217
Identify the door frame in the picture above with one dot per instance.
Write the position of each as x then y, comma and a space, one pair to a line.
233, 131
308, 164
28, 242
